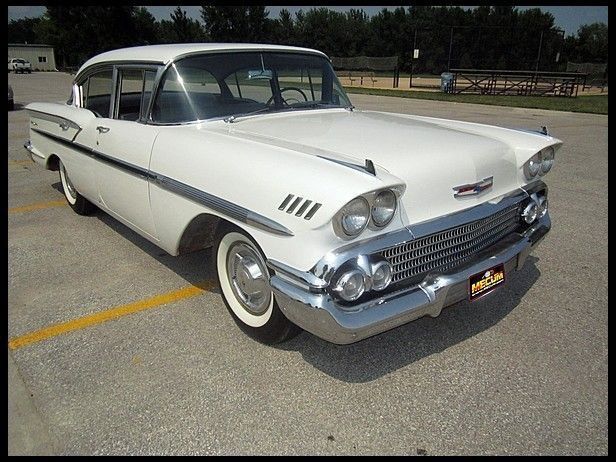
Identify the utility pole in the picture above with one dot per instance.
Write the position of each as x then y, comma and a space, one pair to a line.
539, 52
450, 46
413, 58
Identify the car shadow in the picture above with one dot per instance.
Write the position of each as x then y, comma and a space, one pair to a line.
377, 356
195, 267
369, 359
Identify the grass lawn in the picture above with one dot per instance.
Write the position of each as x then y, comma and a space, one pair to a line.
594, 104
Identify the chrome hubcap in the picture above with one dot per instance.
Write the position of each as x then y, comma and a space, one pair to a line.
69, 186
247, 274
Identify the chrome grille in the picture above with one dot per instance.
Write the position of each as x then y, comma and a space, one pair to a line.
447, 249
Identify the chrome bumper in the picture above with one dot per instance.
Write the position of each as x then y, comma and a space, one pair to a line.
319, 314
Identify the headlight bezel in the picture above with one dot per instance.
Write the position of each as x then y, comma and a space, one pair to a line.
376, 224
547, 157
339, 227
369, 199
535, 167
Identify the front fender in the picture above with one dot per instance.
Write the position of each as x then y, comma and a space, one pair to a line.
258, 178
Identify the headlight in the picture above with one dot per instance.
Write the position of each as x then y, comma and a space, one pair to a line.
383, 208
350, 285
532, 167
381, 275
547, 160
354, 216
529, 214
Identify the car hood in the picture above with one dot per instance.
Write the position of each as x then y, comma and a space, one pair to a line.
430, 157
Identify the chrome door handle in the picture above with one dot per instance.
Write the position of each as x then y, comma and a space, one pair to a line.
64, 126
102, 129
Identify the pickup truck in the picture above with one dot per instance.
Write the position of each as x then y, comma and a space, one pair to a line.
20, 65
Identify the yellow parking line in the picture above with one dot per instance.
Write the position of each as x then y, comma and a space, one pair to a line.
38, 206
110, 314
20, 162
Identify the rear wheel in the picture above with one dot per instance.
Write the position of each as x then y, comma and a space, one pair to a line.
78, 203
244, 282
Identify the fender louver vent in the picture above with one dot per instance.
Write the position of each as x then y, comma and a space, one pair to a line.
300, 206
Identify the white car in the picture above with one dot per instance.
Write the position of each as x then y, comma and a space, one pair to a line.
20, 65
341, 221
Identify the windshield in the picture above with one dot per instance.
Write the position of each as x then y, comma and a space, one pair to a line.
234, 84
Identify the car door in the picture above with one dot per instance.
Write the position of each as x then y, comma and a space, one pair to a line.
123, 147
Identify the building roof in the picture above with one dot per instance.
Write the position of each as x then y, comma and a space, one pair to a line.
33, 45
165, 53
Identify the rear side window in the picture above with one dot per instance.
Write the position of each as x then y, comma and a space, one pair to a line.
131, 88
98, 93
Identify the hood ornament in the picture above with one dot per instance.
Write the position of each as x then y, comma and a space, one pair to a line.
473, 189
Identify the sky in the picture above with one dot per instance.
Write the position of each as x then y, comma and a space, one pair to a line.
569, 18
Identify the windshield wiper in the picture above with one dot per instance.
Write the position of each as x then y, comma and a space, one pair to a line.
233, 118
312, 104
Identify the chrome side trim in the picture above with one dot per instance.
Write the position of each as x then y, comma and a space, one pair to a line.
114, 162
359, 168
223, 206
62, 122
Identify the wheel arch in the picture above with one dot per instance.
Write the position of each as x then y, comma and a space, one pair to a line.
53, 162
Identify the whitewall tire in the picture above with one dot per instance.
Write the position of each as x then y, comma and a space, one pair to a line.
243, 278
78, 203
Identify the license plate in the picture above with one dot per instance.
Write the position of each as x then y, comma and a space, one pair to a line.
485, 282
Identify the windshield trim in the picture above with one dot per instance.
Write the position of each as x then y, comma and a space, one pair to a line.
162, 72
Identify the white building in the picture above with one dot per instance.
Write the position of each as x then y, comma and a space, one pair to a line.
40, 56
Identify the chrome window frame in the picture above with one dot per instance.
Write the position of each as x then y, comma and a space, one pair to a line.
85, 74
117, 72
159, 77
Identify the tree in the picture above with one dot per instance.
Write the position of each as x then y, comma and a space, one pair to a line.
237, 23
23, 30
185, 29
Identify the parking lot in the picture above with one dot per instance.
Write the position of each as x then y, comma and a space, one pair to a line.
116, 347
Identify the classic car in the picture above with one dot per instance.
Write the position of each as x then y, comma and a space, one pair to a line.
323, 217
19, 65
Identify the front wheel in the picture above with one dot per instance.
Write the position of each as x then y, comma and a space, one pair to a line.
78, 203
244, 282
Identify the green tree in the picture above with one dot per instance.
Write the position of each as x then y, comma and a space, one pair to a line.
237, 23
22, 30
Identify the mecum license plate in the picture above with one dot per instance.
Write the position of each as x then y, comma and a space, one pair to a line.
485, 282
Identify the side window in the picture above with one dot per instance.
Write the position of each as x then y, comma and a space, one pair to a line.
131, 88
98, 93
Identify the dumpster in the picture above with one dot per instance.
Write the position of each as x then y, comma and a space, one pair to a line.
446, 82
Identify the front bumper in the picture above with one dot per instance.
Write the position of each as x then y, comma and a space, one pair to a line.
319, 313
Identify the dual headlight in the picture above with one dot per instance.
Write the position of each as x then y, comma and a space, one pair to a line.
356, 215
356, 279
540, 163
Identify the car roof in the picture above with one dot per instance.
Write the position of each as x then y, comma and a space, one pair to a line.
165, 53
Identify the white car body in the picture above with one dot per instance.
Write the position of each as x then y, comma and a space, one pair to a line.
164, 181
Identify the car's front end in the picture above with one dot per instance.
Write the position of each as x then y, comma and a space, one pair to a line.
429, 266
434, 246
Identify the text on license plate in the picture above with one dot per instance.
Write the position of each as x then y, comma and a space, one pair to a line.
486, 281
